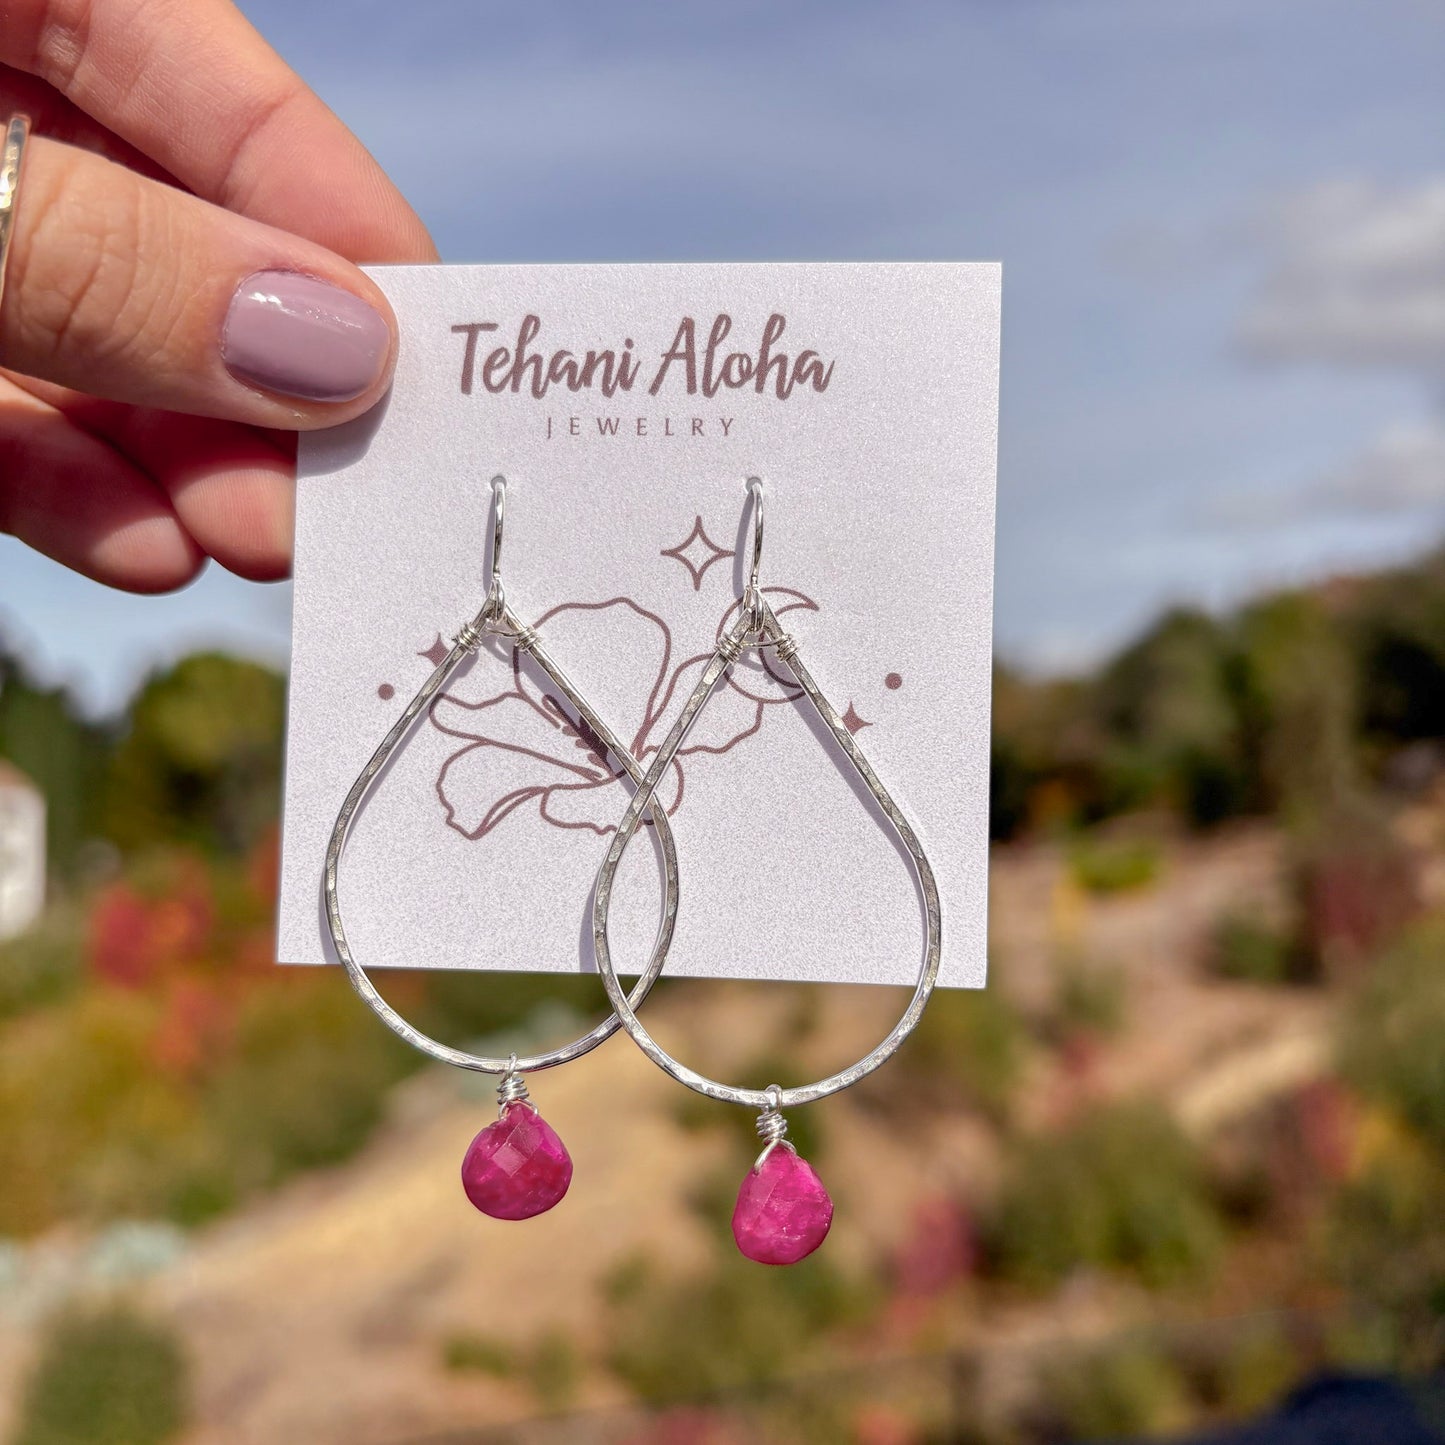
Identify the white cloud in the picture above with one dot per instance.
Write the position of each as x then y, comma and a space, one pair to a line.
1358, 278
1402, 474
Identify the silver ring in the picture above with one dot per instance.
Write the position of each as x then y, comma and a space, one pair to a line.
11, 158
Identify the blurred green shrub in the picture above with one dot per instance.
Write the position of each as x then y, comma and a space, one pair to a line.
970, 1045
1122, 1188
1298, 700
460, 1007
1384, 1242
199, 761
695, 1113
76, 1094
1113, 865
1392, 1045
1287, 707
43, 732
1131, 1388
305, 1082
1246, 948
1397, 631
551, 1365
93, 1126
186, 1070
1363, 1342
553, 1370
1031, 784
1385, 1238
111, 1377
713, 1195
470, 1353
44, 964
1089, 997
1168, 703
739, 1324
1260, 1366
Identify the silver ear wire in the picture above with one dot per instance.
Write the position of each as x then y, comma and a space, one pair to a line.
496, 593
752, 594
493, 617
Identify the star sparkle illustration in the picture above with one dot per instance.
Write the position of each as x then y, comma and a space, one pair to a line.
697, 552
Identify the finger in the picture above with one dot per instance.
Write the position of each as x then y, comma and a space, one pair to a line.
233, 487
134, 291
220, 110
75, 499
61, 119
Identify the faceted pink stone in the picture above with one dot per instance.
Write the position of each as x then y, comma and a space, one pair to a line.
783, 1212
516, 1167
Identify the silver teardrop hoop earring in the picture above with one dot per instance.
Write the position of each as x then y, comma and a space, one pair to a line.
516, 1167
783, 1212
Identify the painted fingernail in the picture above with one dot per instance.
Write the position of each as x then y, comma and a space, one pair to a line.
303, 337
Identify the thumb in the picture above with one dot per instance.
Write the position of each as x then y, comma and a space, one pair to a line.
129, 289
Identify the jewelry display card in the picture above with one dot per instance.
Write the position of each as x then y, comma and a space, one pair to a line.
626, 405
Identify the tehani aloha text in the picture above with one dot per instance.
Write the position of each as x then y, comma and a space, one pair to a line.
699, 365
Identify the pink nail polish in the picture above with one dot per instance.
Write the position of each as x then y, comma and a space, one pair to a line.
303, 337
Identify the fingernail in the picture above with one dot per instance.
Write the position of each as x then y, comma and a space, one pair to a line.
303, 337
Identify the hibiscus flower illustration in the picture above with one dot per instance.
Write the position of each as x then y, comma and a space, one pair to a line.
522, 746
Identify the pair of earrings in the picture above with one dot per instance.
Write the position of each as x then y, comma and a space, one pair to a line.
517, 1167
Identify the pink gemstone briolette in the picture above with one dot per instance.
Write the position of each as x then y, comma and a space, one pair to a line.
516, 1167
783, 1212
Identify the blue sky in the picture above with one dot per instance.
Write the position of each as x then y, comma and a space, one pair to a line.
1221, 225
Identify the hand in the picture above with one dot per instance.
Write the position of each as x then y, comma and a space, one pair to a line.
180, 296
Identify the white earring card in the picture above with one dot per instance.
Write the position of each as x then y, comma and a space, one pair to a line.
626, 405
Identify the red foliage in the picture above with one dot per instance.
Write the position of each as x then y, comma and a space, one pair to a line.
136, 939
1080, 1052
687, 1425
167, 940
118, 948
1354, 901
194, 1027
939, 1251
1077, 1083
254, 954
263, 867
883, 1425
1305, 1143
1328, 1121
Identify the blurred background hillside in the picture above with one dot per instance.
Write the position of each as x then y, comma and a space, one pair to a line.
1185, 1154
1187, 1150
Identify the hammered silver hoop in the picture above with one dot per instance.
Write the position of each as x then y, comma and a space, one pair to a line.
12, 158
494, 618
747, 633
